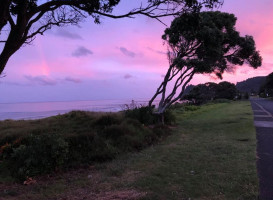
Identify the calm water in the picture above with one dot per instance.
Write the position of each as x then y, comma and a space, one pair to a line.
45, 109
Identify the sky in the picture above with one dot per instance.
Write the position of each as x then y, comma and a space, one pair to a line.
119, 58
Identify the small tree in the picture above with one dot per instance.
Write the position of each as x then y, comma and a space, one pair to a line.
23, 20
226, 90
200, 43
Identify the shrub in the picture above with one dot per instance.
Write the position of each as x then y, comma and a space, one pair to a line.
169, 117
130, 135
36, 154
142, 114
8, 139
76, 114
82, 139
107, 120
88, 147
124, 137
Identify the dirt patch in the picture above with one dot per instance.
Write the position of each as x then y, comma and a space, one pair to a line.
131, 176
77, 184
82, 194
121, 195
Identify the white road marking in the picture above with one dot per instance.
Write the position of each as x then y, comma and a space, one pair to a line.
262, 116
269, 114
258, 111
264, 124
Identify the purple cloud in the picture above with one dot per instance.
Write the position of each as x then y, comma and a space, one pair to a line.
82, 51
126, 52
41, 80
67, 34
74, 80
127, 76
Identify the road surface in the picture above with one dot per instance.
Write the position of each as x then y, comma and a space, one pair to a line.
263, 120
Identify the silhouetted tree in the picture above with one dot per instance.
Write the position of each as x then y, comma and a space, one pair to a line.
226, 90
267, 88
202, 93
200, 43
22, 20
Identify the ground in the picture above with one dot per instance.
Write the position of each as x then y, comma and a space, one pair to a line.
209, 156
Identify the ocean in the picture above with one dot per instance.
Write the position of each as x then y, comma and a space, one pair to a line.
38, 110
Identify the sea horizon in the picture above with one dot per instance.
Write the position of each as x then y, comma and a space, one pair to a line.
39, 110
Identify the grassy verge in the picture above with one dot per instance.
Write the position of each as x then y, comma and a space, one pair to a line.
210, 155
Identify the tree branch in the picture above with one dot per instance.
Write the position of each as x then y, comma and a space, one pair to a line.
177, 84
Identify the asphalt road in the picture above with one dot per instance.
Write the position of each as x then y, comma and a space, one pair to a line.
263, 121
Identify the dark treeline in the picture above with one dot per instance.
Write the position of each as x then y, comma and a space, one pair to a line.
203, 93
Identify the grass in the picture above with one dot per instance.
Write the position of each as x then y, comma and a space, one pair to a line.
210, 155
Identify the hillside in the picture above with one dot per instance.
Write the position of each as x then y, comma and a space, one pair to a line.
251, 84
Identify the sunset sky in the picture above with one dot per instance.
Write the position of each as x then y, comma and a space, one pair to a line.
118, 59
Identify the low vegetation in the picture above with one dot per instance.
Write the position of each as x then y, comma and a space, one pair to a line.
209, 155
30, 148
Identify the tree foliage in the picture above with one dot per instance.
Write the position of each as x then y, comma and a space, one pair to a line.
267, 88
202, 43
203, 93
23, 20
226, 90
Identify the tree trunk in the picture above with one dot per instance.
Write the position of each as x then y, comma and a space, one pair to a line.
12, 45
4, 57
4, 13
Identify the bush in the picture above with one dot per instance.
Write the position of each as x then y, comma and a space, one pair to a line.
36, 154
76, 114
82, 139
107, 120
8, 139
146, 116
87, 148
125, 137
169, 117
143, 115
